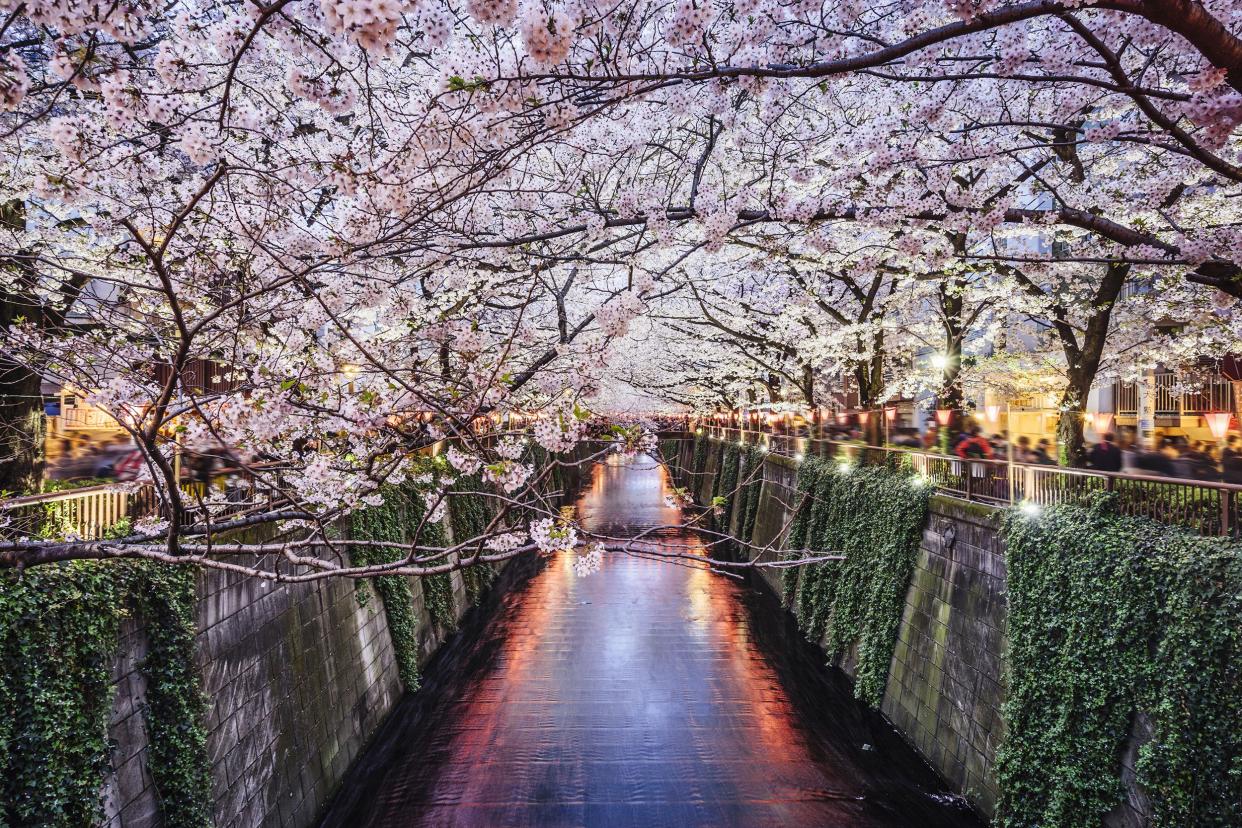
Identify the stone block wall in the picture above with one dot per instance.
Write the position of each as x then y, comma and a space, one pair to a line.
297, 678
130, 799
944, 687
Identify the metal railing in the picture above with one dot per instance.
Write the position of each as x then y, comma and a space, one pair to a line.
1177, 395
90, 512
1206, 507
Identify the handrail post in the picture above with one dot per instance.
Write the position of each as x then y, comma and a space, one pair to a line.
1226, 510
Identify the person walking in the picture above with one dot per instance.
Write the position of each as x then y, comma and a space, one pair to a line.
974, 446
1231, 461
1040, 453
1105, 456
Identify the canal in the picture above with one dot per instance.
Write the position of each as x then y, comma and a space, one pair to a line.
646, 694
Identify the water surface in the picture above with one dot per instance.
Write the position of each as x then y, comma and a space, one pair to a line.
646, 694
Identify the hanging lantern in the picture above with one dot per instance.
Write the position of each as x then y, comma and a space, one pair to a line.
943, 416
890, 414
1218, 423
1101, 421
842, 417
863, 418
773, 419
992, 412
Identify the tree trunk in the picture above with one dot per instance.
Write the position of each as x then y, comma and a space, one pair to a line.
1071, 441
950, 396
22, 430
869, 377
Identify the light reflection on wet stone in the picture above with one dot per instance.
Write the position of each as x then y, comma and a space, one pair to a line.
642, 695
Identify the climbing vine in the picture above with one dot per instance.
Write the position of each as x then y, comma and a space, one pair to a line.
804, 489
699, 463
175, 705
437, 589
726, 482
875, 517
59, 630
1115, 621
385, 523
752, 480
397, 520
468, 518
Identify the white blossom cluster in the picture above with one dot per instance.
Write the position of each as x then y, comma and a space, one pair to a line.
559, 431
510, 475
464, 462
551, 535
506, 542
590, 561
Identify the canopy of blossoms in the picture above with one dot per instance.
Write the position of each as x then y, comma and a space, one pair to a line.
387, 223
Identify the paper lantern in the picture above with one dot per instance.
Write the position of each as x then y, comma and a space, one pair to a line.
1218, 423
992, 412
943, 416
1101, 421
890, 414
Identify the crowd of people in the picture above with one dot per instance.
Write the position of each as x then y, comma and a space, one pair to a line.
1177, 457
119, 459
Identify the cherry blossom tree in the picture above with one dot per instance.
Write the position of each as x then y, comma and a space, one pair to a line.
386, 222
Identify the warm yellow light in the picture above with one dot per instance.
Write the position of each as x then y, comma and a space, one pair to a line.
1218, 423
1100, 421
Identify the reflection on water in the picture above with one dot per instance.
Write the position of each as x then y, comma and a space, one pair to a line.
649, 693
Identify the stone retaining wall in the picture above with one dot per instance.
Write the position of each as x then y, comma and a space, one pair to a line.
298, 677
944, 688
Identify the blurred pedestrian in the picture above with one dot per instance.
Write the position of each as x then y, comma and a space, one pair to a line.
1022, 451
1105, 456
1231, 461
973, 445
1041, 454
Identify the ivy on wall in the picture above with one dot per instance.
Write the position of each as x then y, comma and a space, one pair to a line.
437, 589
699, 462
875, 517
397, 520
670, 452
468, 518
723, 493
386, 523
59, 629
1113, 619
752, 481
